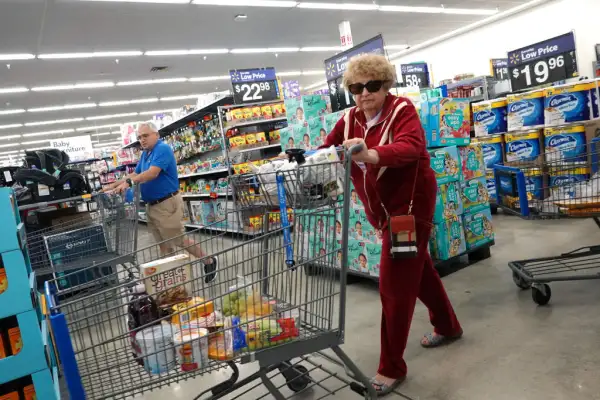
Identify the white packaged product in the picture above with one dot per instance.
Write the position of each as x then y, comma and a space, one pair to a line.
191, 346
156, 345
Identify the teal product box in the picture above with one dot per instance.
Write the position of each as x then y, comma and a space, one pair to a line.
474, 195
303, 108
373, 258
448, 202
565, 104
449, 122
293, 136
424, 117
316, 134
445, 162
359, 225
330, 120
357, 256
208, 212
447, 239
355, 202
478, 228
472, 161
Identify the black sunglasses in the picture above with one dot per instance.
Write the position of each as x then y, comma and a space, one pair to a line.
372, 87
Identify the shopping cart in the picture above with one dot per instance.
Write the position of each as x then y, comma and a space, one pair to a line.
557, 184
116, 340
74, 233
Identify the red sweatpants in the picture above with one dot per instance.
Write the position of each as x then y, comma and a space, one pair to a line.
401, 282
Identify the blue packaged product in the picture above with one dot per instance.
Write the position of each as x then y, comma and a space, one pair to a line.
564, 183
523, 147
595, 95
490, 117
493, 148
490, 181
445, 162
478, 228
566, 143
534, 184
567, 103
525, 110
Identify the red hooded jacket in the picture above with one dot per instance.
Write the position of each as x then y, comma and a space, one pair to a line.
399, 140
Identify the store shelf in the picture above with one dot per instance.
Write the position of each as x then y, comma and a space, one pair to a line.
132, 144
260, 103
214, 171
271, 146
203, 195
256, 122
196, 115
216, 228
182, 160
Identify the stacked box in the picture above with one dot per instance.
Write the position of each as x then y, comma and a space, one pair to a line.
447, 239
303, 108
448, 202
445, 162
448, 122
478, 228
472, 161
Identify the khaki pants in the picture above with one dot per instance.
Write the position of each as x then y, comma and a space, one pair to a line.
165, 221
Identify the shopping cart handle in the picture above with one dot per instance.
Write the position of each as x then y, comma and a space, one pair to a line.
296, 155
357, 148
50, 291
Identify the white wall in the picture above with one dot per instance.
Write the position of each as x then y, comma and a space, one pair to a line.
472, 51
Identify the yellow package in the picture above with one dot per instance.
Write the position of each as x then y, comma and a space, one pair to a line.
237, 141
256, 112
237, 115
247, 113
250, 139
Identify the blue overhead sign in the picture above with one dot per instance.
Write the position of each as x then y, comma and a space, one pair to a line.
548, 48
252, 75
416, 68
336, 65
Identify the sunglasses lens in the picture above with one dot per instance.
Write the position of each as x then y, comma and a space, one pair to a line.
356, 88
374, 86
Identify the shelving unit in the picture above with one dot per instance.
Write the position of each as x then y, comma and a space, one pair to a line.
203, 173
21, 303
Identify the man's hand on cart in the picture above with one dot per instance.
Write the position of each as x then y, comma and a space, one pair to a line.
364, 155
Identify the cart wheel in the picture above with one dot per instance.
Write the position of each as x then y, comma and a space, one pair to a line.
301, 381
520, 282
541, 295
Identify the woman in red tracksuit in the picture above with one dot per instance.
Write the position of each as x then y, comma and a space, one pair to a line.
393, 165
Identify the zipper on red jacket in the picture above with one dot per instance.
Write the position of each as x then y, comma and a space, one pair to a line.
365, 176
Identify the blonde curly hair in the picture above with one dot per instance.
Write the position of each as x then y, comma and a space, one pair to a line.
372, 66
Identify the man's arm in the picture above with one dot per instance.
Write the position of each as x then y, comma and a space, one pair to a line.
146, 176
121, 181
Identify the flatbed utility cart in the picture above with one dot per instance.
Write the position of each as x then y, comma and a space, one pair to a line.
163, 315
560, 184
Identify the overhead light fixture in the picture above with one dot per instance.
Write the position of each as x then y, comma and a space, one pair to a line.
7, 137
437, 10
90, 85
186, 52
16, 57
95, 54
313, 72
61, 131
158, 111
99, 117
315, 85
54, 122
151, 81
18, 89
246, 3
10, 126
95, 128
127, 102
10, 112
35, 142
185, 97
142, 1
265, 50
9, 145
339, 6
321, 48
289, 73
209, 78
65, 107
240, 17
106, 133
106, 144
11, 152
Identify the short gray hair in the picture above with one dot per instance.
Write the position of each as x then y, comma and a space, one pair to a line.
150, 124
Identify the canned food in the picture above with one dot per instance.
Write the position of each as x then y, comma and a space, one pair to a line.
191, 347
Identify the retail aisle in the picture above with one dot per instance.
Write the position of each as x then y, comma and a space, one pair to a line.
512, 349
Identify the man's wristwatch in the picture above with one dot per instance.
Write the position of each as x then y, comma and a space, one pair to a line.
129, 182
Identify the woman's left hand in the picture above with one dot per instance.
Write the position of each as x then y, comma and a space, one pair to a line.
365, 155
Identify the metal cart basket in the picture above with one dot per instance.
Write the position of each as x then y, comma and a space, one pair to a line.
143, 327
559, 184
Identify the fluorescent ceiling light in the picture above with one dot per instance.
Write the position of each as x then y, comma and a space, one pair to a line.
61, 131
185, 52
37, 141
99, 117
437, 10
18, 89
9, 145
151, 81
289, 73
339, 6
210, 78
65, 107
16, 57
11, 152
7, 137
126, 102
53, 122
91, 85
314, 85
185, 97
10, 112
313, 72
95, 54
142, 1
93, 128
321, 48
105, 133
265, 50
468, 11
10, 126
158, 111
396, 46
246, 3
106, 144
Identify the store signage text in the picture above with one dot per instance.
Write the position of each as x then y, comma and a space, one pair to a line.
416, 74
254, 85
500, 68
336, 66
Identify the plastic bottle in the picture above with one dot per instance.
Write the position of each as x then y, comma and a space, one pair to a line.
142, 311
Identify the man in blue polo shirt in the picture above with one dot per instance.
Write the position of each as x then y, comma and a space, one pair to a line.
156, 173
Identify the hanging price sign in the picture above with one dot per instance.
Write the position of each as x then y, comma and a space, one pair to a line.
254, 85
499, 67
546, 62
416, 74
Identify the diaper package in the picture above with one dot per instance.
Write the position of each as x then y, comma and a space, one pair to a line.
478, 228
493, 150
474, 195
373, 258
472, 161
447, 239
329, 120
566, 143
293, 136
303, 108
525, 110
490, 117
357, 256
567, 103
445, 162
523, 147
448, 202
449, 122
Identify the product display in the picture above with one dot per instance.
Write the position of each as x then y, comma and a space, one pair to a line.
525, 110
304, 108
490, 117
448, 122
201, 166
195, 138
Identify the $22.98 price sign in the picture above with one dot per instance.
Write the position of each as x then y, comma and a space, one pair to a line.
546, 62
254, 85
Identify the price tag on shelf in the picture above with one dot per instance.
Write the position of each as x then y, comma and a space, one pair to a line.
254, 85
499, 68
415, 75
550, 61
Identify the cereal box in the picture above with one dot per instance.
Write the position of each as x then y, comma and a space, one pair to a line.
474, 195
445, 162
167, 279
472, 161
447, 239
448, 202
478, 228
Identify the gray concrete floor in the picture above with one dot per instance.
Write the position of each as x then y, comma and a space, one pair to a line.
512, 349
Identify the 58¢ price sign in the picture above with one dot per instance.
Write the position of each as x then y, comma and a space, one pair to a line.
254, 85
546, 62
415, 75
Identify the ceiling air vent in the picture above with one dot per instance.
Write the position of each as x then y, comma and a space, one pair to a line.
159, 69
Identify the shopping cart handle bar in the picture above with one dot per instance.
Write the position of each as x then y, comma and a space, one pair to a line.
506, 168
357, 148
50, 291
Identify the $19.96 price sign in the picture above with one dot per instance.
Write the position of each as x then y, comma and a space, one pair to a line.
542, 63
254, 85
416, 74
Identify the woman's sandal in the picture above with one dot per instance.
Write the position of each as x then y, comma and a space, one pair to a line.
383, 389
439, 340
